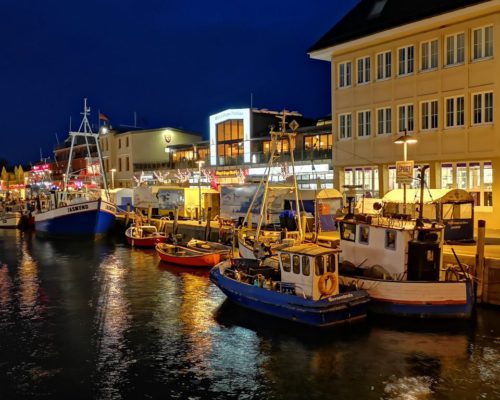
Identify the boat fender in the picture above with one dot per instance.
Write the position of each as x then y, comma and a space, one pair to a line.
325, 288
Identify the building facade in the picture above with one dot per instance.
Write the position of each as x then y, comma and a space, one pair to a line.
427, 70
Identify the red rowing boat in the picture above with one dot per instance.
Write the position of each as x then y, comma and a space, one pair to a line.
144, 236
180, 255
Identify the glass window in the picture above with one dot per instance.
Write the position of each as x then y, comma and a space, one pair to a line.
364, 74
447, 176
285, 261
482, 39
390, 239
429, 54
455, 49
429, 115
384, 121
364, 123
345, 74
384, 65
330, 263
306, 266
482, 108
364, 234
345, 126
296, 264
348, 231
462, 176
406, 58
319, 266
405, 118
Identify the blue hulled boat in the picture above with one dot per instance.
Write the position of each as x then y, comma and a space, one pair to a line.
79, 213
301, 284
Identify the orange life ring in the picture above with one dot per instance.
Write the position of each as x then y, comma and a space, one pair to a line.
324, 288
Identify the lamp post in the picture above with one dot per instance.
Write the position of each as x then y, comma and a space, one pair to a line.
200, 163
405, 139
113, 170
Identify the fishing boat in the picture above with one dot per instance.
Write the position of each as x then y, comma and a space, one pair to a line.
399, 262
10, 219
304, 288
80, 213
257, 242
209, 247
144, 236
180, 255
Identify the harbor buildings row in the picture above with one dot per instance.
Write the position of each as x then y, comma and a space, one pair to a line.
427, 69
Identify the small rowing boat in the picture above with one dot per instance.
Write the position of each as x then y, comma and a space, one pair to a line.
180, 255
209, 247
144, 236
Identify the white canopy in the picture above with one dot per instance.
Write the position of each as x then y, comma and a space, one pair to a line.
430, 196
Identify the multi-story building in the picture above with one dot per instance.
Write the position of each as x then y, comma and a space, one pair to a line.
426, 68
130, 152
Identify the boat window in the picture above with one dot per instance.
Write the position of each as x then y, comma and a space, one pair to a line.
320, 269
390, 239
348, 231
330, 266
285, 261
296, 264
364, 234
306, 266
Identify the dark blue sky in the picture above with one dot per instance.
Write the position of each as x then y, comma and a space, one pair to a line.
174, 63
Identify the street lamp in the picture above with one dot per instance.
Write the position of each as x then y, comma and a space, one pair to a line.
113, 170
405, 139
200, 163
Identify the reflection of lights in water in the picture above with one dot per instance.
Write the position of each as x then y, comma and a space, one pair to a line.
112, 320
409, 388
29, 286
5, 288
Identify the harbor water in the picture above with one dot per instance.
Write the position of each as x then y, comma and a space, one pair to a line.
100, 320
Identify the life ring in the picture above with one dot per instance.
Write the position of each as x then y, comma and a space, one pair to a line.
324, 288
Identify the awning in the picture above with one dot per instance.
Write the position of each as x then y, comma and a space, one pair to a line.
329, 194
430, 196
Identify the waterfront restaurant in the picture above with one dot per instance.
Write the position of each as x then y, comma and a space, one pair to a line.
426, 70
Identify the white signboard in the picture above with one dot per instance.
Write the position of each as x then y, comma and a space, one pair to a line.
404, 172
143, 198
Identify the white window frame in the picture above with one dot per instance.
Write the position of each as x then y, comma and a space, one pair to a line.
427, 55
481, 47
455, 60
384, 121
406, 61
454, 112
406, 108
345, 79
363, 75
346, 132
483, 112
384, 65
428, 117
364, 126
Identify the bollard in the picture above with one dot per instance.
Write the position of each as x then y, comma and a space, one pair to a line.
127, 216
176, 220
480, 269
207, 226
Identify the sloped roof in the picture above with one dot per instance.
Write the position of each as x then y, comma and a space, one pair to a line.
373, 16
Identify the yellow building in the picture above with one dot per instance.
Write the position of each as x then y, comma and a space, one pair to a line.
429, 68
135, 152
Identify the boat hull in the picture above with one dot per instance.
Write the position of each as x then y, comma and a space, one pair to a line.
90, 219
343, 308
416, 299
149, 241
199, 260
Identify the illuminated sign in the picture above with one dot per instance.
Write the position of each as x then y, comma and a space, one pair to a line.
42, 167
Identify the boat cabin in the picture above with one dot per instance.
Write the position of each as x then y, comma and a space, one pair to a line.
387, 248
310, 270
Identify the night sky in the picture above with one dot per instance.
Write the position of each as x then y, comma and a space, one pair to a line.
173, 63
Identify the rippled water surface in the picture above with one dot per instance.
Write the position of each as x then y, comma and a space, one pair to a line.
101, 320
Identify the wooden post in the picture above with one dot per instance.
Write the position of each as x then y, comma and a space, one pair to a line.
176, 220
150, 213
127, 216
207, 225
480, 270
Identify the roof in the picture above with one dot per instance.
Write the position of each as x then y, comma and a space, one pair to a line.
310, 249
430, 196
373, 16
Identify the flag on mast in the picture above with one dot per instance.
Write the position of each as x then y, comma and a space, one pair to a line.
103, 117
